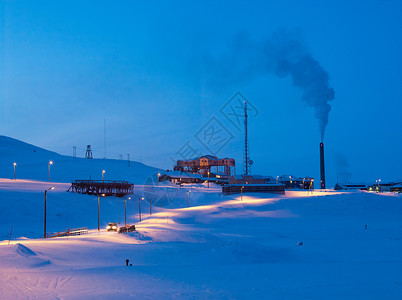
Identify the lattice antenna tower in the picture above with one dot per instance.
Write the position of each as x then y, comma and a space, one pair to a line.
247, 162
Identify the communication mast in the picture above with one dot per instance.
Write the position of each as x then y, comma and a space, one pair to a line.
247, 161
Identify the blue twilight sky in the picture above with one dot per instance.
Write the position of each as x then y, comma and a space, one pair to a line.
161, 72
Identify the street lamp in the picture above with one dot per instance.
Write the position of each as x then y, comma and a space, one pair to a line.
241, 193
103, 195
125, 210
159, 174
188, 198
303, 183
14, 164
277, 179
49, 164
103, 172
44, 233
139, 206
208, 179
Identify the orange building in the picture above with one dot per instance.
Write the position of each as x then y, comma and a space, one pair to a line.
207, 163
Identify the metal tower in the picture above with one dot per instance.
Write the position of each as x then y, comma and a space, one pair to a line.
88, 153
247, 161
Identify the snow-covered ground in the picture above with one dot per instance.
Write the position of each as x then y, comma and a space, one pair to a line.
221, 247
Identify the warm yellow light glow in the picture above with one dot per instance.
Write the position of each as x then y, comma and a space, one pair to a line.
14, 164
51, 162
103, 195
129, 198
103, 171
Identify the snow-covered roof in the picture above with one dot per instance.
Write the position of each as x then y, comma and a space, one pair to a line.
178, 174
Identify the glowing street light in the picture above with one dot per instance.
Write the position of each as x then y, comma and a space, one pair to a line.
159, 174
241, 193
50, 164
14, 164
103, 172
290, 182
51, 188
208, 179
277, 179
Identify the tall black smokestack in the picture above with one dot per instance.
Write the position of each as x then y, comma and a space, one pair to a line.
322, 167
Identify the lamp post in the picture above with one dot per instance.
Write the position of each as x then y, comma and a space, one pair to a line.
44, 232
103, 195
241, 193
49, 164
303, 183
277, 178
139, 206
159, 174
14, 164
188, 198
208, 179
103, 172
98, 215
125, 210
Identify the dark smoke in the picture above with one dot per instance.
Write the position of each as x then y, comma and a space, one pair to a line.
283, 54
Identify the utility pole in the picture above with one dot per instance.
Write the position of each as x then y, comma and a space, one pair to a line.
104, 133
44, 231
246, 150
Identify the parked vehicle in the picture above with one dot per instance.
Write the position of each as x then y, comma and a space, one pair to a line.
127, 228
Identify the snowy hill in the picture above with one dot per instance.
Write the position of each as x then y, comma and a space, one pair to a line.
32, 163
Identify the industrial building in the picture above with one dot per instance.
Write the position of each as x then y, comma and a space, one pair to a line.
293, 182
207, 163
351, 186
251, 179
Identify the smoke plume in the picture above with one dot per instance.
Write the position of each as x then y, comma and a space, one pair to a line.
283, 54
343, 172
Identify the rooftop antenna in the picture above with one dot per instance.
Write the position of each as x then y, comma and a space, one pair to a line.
247, 161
